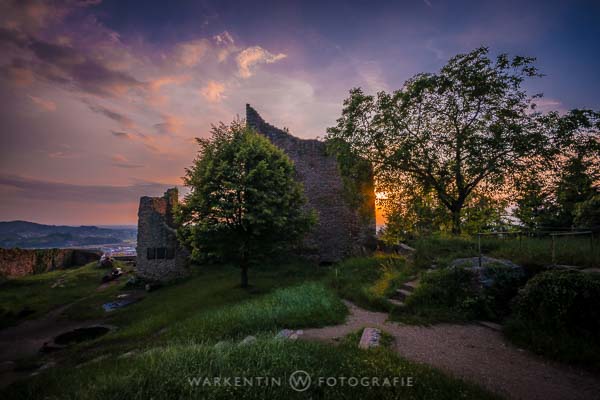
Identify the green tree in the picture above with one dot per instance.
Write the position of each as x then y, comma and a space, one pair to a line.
575, 186
587, 213
552, 187
244, 203
449, 131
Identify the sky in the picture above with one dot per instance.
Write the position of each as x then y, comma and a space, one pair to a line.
102, 99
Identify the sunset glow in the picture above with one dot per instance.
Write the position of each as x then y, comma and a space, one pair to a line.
101, 100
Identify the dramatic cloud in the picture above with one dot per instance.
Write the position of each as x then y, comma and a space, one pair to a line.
224, 39
123, 120
171, 125
120, 161
47, 190
42, 104
70, 67
252, 56
122, 135
128, 90
189, 54
213, 91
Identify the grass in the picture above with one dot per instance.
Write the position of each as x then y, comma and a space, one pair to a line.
308, 304
560, 346
369, 282
206, 316
530, 252
166, 373
445, 295
33, 296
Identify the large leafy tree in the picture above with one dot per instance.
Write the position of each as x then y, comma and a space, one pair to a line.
448, 132
244, 203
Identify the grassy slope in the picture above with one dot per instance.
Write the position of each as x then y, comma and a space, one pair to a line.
173, 331
35, 292
369, 282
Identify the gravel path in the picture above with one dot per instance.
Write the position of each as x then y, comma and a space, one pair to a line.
474, 353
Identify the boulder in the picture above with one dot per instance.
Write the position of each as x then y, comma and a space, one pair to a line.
289, 334
106, 262
370, 338
489, 268
248, 340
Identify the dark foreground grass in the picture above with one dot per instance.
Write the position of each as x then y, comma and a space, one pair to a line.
559, 346
169, 372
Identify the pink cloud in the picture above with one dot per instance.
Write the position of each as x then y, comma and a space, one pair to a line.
189, 54
43, 104
213, 91
252, 56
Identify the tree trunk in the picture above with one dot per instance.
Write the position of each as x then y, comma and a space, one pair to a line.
456, 228
244, 269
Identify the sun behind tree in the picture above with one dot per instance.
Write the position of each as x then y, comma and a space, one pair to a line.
244, 202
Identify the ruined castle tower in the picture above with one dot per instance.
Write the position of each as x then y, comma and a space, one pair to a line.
159, 256
343, 229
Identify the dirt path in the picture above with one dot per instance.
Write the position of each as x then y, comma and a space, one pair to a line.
474, 353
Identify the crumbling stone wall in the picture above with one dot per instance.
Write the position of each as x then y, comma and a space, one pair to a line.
343, 229
159, 255
20, 262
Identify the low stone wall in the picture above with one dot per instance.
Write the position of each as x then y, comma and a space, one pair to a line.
20, 262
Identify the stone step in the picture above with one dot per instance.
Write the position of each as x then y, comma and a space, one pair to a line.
370, 338
402, 294
490, 325
410, 286
397, 303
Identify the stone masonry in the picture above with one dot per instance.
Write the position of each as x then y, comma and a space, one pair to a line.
342, 230
159, 255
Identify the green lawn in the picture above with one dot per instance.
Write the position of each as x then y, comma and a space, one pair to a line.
194, 327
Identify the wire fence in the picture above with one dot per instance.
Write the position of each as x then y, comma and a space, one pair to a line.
552, 246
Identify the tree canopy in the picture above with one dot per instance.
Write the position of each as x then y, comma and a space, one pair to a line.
244, 203
457, 133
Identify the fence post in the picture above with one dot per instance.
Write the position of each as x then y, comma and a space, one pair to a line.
553, 250
592, 258
479, 246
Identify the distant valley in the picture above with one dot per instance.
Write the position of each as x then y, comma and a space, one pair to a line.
29, 235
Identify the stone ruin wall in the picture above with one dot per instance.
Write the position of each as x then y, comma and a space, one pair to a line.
21, 262
159, 255
342, 230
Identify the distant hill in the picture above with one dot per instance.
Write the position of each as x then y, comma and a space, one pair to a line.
26, 234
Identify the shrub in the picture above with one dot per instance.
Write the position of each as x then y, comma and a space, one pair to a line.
504, 287
557, 314
445, 295
562, 301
